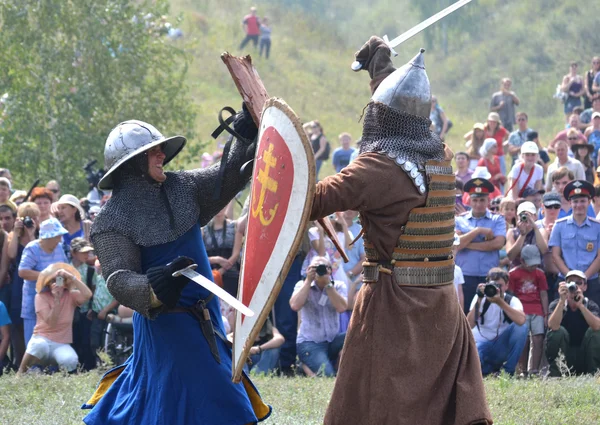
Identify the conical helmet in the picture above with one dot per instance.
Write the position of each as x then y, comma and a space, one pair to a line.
131, 138
407, 89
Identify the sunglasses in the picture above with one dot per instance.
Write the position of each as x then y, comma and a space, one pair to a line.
494, 208
498, 275
552, 207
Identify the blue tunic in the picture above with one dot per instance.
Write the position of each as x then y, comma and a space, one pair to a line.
171, 377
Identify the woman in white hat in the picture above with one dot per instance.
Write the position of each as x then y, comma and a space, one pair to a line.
36, 256
490, 160
59, 290
72, 216
525, 173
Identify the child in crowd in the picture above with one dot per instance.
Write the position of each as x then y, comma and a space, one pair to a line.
508, 209
528, 283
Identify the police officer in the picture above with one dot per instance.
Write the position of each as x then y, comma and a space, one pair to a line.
575, 240
482, 235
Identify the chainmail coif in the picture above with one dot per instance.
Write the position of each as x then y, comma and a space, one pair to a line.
407, 136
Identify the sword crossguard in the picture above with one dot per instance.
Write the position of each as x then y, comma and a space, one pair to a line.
387, 41
180, 272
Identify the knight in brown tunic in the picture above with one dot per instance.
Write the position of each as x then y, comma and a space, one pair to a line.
409, 356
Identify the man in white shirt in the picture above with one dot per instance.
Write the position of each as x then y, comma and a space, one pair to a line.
497, 320
563, 160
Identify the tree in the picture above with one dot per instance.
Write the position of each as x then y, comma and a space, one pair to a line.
72, 70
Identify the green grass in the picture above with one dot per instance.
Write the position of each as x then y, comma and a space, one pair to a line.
55, 400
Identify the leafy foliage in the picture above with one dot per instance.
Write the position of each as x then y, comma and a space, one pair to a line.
73, 70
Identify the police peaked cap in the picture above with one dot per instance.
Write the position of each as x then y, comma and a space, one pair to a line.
479, 187
578, 188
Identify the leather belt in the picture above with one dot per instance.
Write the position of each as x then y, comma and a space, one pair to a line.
411, 273
201, 313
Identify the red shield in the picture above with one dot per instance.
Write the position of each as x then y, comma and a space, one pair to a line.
283, 187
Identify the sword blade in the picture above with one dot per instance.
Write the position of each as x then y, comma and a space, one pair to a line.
426, 23
211, 286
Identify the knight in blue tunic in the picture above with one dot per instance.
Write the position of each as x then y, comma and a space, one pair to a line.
180, 369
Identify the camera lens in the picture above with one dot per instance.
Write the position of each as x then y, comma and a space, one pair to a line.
28, 222
572, 287
321, 269
491, 289
523, 217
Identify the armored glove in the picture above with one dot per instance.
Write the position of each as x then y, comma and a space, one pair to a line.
166, 287
375, 57
244, 125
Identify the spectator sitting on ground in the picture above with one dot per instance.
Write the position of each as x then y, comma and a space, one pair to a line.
491, 161
341, 156
5, 192
586, 116
482, 235
43, 199
54, 187
7, 218
38, 255
495, 130
264, 354
474, 139
4, 336
480, 173
574, 328
526, 173
504, 102
463, 172
575, 240
535, 197
582, 153
525, 233
563, 160
498, 324
528, 283
508, 209
518, 137
593, 134
320, 300
564, 134
59, 290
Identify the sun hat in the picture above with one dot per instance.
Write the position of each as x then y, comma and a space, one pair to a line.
51, 228
493, 116
481, 172
68, 200
530, 147
530, 254
479, 126
576, 273
488, 144
46, 276
595, 114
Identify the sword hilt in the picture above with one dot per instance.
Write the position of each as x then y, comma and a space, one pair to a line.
181, 272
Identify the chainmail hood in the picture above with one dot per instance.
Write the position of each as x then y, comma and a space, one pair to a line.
150, 213
399, 135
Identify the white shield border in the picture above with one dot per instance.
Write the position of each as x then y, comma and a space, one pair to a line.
294, 224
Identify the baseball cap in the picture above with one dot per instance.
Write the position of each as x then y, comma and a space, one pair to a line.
527, 207
530, 147
595, 114
81, 245
529, 191
576, 273
530, 255
551, 198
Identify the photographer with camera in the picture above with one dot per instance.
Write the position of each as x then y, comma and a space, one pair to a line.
575, 239
320, 300
498, 324
94, 195
574, 327
72, 216
527, 232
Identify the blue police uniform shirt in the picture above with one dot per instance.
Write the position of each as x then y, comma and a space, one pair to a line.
478, 263
579, 244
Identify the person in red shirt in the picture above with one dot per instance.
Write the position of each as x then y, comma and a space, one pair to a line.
495, 130
251, 26
490, 160
528, 283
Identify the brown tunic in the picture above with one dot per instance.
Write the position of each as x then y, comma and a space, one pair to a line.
409, 355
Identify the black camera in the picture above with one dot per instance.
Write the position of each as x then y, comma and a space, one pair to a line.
28, 222
93, 176
491, 290
321, 269
523, 217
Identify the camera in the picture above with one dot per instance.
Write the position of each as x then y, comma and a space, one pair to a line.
93, 177
523, 217
491, 290
572, 287
60, 281
28, 222
321, 270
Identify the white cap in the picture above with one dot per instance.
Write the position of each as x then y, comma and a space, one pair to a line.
530, 147
481, 172
527, 207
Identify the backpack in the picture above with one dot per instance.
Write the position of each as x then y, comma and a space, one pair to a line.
507, 297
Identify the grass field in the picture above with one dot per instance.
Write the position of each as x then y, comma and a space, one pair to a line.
55, 400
